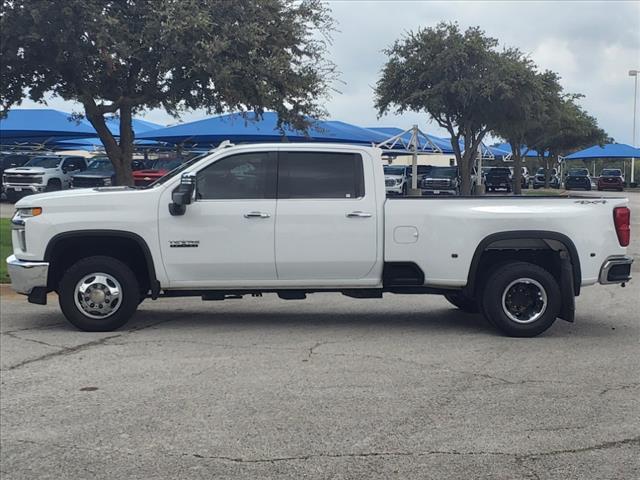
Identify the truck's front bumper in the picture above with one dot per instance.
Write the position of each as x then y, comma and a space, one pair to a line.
24, 187
616, 269
25, 276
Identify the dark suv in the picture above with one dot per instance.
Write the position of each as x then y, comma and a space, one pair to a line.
100, 173
498, 178
577, 178
441, 181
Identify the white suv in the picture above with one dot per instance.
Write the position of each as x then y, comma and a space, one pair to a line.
41, 174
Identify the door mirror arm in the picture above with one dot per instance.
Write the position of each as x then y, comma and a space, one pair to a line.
183, 195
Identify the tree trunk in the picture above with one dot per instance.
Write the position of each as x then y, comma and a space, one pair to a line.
124, 175
466, 167
121, 154
547, 171
517, 170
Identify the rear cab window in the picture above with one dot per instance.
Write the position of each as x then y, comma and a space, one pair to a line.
316, 175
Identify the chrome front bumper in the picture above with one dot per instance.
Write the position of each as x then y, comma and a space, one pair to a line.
25, 276
616, 269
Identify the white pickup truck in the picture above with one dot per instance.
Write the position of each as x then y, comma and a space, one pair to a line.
294, 219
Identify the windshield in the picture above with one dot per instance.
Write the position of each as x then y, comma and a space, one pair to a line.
541, 171
100, 164
579, 172
444, 172
611, 173
392, 170
44, 162
177, 170
500, 171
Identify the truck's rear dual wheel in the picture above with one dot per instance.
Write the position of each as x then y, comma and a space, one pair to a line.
98, 294
521, 299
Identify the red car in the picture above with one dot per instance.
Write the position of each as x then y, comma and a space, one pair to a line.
611, 179
158, 169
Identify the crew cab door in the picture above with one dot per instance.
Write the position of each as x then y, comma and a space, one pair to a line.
226, 236
326, 223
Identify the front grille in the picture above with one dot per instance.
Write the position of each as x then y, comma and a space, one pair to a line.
390, 183
436, 183
80, 182
23, 179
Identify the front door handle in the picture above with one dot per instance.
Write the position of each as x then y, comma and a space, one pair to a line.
256, 215
358, 214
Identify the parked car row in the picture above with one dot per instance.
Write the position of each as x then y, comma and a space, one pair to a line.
24, 175
432, 180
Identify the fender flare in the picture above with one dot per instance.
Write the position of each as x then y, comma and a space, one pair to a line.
154, 284
574, 259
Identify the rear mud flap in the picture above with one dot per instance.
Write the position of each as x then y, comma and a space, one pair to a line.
568, 310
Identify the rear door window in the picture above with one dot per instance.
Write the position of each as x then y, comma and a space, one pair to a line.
320, 175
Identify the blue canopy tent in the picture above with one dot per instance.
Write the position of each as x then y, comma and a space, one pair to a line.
610, 151
245, 128
29, 126
45, 126
524, 151
94, 143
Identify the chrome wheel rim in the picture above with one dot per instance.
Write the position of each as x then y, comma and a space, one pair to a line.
524, 300
98, 295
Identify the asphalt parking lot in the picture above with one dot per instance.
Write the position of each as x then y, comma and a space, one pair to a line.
330, 387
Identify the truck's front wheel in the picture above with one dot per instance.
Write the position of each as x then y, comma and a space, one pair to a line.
521, 299
98, 294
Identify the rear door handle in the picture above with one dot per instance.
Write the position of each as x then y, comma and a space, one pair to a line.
256, 215
358, 214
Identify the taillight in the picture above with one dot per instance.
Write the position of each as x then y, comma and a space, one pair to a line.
622, 221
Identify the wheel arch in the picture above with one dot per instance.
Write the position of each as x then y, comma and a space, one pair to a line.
58, 241
524, 235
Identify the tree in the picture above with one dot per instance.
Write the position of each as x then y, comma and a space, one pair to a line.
563, 127
124, 56
520, 102
450, 75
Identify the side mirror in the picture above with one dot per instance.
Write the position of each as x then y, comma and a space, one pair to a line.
183, 195
64, 170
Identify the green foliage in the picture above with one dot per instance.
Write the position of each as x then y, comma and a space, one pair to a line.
5, 248
450, 75
125, 56
469, 88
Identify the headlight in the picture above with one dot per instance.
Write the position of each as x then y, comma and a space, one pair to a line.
22, 213
398, 181
106, 182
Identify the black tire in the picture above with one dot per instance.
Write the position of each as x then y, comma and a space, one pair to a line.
464, 303
53, 185
502, 282
129, 293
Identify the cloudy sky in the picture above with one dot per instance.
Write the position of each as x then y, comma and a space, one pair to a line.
592, 45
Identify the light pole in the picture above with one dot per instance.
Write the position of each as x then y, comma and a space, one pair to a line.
634, 73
